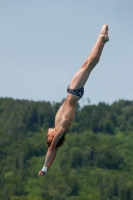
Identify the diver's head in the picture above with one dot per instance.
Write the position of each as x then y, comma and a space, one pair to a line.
51, 134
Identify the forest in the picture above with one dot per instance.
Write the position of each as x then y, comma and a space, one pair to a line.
95, 162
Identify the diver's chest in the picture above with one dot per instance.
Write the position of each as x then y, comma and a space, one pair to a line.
65, 117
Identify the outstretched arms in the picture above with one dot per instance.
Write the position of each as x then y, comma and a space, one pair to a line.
50, 156
44, 169
51, 161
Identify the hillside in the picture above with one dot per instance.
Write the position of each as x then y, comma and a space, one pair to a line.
95, 163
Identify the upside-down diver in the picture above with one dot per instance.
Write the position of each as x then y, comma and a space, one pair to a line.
66, 113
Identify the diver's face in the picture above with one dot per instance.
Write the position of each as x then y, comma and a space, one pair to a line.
50, 134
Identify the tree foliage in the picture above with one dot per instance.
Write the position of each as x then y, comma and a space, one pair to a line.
94, 163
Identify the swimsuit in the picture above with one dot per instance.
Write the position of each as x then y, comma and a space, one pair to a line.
78, 92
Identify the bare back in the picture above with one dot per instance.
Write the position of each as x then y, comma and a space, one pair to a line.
66, 113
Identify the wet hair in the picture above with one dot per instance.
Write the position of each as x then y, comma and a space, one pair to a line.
60, 142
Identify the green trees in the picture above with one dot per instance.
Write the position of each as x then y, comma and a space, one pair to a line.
94, 163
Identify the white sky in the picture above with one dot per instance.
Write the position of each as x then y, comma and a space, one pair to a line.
43, 43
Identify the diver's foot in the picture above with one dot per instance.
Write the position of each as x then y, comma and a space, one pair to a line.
104, 33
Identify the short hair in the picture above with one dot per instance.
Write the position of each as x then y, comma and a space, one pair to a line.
60, 142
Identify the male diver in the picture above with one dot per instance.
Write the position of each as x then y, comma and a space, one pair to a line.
66, 113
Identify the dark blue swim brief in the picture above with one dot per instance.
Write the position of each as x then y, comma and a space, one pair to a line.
78, 92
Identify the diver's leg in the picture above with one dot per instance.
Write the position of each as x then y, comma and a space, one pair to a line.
82, 75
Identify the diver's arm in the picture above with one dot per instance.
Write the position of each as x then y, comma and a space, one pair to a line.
50, 155
51, 161
52, 149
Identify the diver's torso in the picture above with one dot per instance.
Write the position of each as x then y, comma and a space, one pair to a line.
65, 115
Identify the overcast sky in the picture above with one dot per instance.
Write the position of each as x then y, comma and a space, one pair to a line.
43, 44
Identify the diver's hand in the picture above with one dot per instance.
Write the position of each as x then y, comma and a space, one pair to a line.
43, 171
